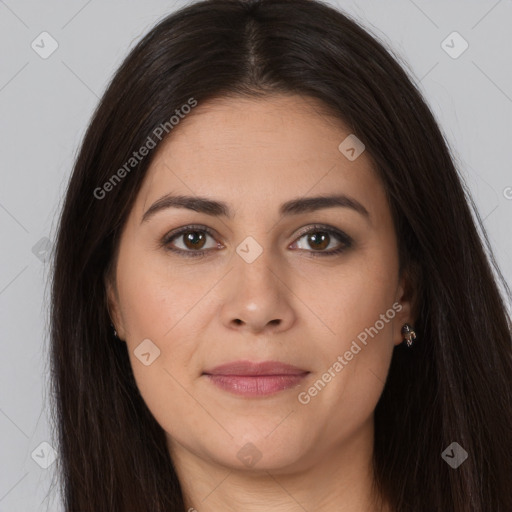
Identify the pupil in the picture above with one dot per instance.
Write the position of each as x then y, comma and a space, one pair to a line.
193, 237
320, 239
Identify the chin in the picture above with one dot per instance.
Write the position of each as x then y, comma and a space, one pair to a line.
251, 451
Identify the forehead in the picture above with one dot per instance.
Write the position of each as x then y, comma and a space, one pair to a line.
256, 151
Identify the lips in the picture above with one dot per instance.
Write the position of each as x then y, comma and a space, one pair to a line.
248, 368
249, 379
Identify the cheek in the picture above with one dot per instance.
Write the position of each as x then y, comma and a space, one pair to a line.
352, 299
356, 349
357, 313
160, 306
153, 310
153, 299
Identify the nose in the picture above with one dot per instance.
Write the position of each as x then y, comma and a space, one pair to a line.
257, 297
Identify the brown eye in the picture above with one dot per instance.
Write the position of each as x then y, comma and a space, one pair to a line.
194, 239
319, 238
190, 241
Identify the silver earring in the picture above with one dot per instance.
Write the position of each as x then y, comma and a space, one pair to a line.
114, 330
408, 334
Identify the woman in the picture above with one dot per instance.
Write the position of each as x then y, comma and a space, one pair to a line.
269, 291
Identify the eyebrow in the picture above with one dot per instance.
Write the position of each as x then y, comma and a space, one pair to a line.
221, 209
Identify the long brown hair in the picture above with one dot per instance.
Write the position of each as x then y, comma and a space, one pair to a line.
453, 385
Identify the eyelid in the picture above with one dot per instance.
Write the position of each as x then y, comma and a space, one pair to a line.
317, 227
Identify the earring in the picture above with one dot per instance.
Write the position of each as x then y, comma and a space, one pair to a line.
114, 330
408, 334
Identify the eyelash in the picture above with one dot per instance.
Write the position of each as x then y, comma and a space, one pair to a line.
340, 235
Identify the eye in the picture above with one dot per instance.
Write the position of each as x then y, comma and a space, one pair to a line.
319, 238
193, 240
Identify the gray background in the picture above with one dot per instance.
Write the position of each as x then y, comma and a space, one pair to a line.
45, 105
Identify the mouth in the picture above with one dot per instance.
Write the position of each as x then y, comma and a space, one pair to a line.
246, 378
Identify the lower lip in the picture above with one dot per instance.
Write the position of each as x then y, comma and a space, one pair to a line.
257, 385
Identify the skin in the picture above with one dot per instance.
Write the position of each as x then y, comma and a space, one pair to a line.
286, 305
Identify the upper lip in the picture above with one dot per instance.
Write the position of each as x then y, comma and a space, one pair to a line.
252, 368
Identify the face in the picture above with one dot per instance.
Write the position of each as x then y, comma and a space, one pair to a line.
267, 275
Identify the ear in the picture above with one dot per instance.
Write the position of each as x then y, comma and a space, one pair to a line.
405, 304
113, 306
